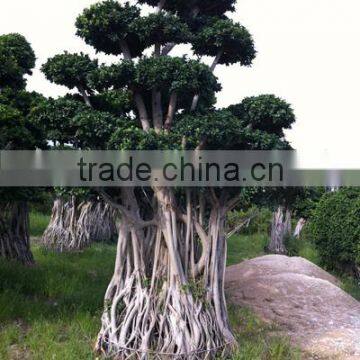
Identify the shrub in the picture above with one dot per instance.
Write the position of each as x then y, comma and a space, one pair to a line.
335, 228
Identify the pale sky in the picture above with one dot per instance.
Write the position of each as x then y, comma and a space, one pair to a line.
308, 54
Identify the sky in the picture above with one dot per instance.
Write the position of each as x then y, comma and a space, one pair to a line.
308, 54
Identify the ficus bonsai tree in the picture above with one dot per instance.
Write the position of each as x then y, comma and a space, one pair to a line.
166, 297
79, 217
17, 132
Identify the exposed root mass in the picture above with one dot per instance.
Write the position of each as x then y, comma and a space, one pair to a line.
75, 225
166, 298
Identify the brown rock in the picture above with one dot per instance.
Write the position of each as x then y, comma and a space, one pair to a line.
303, 300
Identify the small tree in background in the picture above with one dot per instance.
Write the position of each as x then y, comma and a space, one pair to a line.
17, 132
79, 217
270, 114
166, 297
287, 203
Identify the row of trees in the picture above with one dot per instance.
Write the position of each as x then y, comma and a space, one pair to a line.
167, 292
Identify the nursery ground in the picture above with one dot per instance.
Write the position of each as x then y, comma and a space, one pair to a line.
52, 310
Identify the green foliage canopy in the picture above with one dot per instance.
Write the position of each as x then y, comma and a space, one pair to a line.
158, 96
70, 70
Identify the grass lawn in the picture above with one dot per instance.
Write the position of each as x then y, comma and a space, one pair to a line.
38, 223
52, 310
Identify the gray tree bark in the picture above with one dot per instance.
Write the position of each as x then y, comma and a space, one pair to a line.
280, 229
166, 298
299, 227
75, 225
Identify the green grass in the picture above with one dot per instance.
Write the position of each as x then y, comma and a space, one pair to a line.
242, 247
52, 310
38, 223
258, 340
351, 286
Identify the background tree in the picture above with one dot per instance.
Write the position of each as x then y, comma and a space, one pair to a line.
285, 204
79, 216
272, 115
17, 132
167, 292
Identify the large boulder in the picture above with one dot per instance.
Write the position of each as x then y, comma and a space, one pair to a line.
303, 300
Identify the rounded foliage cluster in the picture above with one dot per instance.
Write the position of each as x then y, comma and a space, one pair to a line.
185, 8
54, 116
17, 58
68, 121
335, 229
231, 40
105, 25
161, 29
133, 138
266, 113
14, 132
69, 70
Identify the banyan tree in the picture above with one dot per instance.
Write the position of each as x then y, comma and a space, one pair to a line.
79, 216
17, 132
79, 219
166, 298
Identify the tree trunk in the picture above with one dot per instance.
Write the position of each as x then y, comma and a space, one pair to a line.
299, 227
74, 226
14, 232
280, 229
98, 220
165, 300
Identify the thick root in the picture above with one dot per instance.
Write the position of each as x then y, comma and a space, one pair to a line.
171, 323
74, 226
166, 298
97, 221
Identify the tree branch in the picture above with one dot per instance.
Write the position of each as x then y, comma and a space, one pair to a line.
202, 144
216, 60
244, 223
212, 68
167, 48
134, 220
171, 110
160, 5
157, 110
85, 96
125, 50
233, 202
139, 101
157, 51
140, 104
